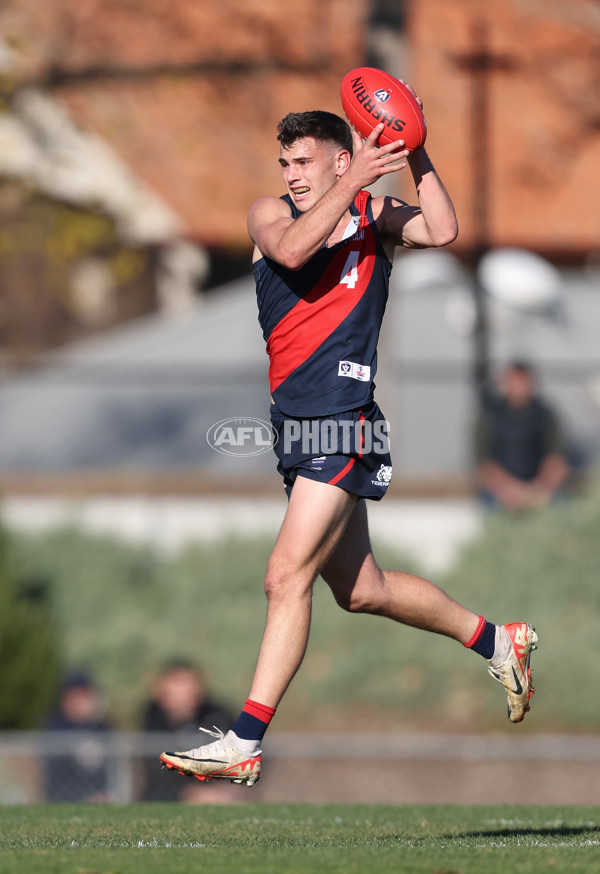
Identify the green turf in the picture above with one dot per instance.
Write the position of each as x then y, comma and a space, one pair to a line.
297, 839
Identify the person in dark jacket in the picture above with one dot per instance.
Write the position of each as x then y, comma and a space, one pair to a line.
80, 773
520, 452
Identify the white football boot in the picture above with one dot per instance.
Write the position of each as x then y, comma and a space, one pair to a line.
510, 665
220, 760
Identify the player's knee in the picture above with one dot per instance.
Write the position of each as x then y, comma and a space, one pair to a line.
274, 581
349, 602
364, 602
283, 582
357, 599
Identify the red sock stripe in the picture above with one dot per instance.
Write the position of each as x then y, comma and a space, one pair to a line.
478, 632
260, 711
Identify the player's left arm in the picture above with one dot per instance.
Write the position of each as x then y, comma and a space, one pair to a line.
431, 223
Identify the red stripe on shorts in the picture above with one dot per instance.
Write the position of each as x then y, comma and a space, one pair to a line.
342, 473
362, 434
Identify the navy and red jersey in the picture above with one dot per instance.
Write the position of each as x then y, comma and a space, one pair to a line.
322, 322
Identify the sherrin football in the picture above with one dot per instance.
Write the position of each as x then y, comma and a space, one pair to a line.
371, 96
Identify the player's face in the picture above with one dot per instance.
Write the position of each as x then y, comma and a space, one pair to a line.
310, 168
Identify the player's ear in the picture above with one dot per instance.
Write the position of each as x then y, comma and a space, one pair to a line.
343, 160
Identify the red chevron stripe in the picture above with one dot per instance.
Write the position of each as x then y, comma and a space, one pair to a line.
314, 318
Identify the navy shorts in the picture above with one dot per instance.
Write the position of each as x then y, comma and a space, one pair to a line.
349, 450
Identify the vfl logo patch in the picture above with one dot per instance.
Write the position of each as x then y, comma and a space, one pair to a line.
361, 372
382, 95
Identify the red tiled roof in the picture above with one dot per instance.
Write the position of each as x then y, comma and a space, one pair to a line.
205, 144
189, 93
79, 35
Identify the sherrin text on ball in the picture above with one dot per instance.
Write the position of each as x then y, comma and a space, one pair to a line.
371, 97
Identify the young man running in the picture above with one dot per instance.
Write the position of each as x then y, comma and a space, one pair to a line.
322, 259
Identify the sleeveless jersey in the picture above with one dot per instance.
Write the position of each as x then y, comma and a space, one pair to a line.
322, 322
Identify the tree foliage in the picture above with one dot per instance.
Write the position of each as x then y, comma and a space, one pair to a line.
28, 648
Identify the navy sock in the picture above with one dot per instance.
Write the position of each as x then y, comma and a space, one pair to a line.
253, 721
485, 642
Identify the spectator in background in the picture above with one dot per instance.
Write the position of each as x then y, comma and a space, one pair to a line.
180, 702
80, 773
519, 446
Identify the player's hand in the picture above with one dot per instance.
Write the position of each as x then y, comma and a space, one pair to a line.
419, 153
413, 92
371, 161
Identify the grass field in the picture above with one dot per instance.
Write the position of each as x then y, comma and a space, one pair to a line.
298, 839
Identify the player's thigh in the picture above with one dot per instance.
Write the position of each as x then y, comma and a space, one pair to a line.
313, 526
352, 573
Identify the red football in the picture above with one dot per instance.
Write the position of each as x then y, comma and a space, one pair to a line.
371, 96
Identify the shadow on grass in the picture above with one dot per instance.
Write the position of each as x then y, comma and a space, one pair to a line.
548, 832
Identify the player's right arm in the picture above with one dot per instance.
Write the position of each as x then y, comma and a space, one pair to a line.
293, 242
268, 219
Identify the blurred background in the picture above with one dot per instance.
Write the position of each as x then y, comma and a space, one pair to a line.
133, 139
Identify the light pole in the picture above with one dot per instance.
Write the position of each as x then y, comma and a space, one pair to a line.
479, 63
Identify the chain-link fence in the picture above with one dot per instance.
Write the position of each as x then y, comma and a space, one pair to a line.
89, 766
120, 767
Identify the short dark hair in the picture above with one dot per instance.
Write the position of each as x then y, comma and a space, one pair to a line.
521, 365
323, 126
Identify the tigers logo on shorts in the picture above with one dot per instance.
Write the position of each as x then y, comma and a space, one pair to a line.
384, 474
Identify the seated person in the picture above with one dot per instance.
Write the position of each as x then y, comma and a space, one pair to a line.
519, 447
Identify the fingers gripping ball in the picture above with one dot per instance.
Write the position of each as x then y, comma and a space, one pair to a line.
371, 97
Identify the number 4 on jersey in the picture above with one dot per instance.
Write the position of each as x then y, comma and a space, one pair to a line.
349, 275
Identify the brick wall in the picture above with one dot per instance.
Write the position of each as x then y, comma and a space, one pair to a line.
190, 93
